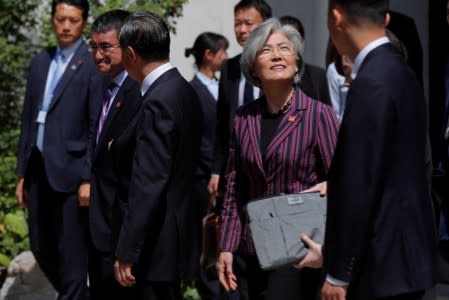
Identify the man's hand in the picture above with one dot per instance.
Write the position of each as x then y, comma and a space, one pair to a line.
314, 257
122, 272
320, 187
333, 292
225, 274
21, 193
84, 193
212, 187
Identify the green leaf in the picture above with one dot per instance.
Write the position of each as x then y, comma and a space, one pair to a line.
4, 260
16, 222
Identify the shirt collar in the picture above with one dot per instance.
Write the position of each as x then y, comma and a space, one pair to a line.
155, 74
69, 51
365, 51
118, 80
206, 80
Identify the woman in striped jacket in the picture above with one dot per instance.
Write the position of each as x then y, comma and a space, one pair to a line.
282, 142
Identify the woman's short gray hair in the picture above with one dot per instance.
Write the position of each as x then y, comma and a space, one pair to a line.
256, 42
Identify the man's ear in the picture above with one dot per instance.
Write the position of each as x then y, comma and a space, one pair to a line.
132, 55
387, 18
339, 17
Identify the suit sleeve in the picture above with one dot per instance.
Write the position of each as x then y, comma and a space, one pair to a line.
230, 230
221, 134
94, 93
361, 159
25, 126
151, 170
327, 127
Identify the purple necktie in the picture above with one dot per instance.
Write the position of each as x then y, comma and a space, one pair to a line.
105, 109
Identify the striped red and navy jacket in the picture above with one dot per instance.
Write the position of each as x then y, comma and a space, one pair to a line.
298, 157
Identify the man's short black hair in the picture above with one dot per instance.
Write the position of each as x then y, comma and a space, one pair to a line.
147, 34
373, 11
81, 4
260, 5
295, 22
111, 20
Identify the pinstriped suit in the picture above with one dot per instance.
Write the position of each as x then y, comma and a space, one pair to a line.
297, 158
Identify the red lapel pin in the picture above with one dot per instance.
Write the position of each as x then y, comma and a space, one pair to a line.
291, 119
118, 104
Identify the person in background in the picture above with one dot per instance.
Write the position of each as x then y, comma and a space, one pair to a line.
62, 102
313, 81
121, 102
153, 252
380, 240
281, 143
339, 74
336, 80
404, 28
209, 51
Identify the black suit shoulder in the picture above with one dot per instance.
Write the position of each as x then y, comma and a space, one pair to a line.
314, 83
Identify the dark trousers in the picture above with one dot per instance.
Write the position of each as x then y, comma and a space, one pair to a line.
102, 283
164, 290
410, 296
283, 283
57, 227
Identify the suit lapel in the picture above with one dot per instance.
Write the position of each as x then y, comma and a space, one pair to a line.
74, 65
291, 119
234, 81
116, 107
44, 68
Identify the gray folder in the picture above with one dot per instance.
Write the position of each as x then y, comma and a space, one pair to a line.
277, 222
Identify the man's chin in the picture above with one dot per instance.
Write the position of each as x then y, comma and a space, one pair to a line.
103, 69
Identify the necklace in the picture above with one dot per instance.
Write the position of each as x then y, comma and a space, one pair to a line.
284, 107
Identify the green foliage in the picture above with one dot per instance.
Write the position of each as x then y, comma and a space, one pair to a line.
189, 291
13, 225
167, 9
15, 44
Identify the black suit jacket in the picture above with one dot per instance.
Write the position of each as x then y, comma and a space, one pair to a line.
314, 83
155, 234
71, 119
209, 109
380, 232
105, 179
228, 101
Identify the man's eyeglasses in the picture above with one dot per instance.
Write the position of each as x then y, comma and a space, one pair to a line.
104, 48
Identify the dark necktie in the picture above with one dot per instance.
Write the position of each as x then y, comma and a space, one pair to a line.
248, 92
105, 109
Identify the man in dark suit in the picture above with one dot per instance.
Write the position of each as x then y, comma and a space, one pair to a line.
121, 103
153, 248
53, 163
234, 90
380, 240
313, 80
404, 28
